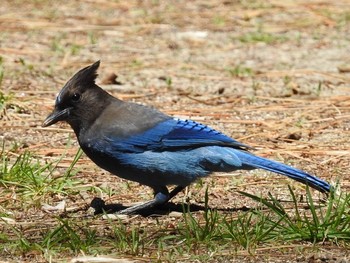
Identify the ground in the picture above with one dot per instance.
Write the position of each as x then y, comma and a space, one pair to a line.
272, 74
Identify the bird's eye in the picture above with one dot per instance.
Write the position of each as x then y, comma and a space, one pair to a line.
76, 97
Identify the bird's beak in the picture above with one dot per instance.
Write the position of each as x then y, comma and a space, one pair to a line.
56, 116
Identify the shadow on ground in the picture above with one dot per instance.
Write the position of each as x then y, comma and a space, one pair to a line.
100, 207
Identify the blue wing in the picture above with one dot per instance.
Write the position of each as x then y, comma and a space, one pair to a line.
174, 134
187, 133
156, 144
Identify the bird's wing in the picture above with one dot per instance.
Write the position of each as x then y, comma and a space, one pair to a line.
187, 133
174, 134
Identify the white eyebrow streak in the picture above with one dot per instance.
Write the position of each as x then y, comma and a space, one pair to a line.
60, 95
58, 98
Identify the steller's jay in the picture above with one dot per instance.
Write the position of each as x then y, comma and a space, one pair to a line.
144, 145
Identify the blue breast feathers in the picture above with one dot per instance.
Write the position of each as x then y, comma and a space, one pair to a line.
170, 135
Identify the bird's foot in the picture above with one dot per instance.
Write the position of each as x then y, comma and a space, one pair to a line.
159, 199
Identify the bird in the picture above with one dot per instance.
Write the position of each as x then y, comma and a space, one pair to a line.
144, 145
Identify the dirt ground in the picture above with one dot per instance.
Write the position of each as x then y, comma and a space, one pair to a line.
271, 74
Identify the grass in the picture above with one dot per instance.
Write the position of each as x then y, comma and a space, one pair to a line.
34, 181
195, 236
271, 222
4, 101
261, 36
318, 223
69, 236
239, 71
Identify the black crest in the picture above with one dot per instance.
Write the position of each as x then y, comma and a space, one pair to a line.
85, 76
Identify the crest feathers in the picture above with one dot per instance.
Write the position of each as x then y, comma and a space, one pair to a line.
86, 76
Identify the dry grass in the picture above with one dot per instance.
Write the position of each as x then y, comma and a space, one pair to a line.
264, 72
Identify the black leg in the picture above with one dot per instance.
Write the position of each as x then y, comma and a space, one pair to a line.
175, 191
160, 198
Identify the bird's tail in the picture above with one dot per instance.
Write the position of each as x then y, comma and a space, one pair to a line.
276, 167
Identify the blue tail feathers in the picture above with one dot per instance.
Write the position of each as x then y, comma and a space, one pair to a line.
276, 167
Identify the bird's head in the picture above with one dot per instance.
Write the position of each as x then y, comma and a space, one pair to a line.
80, 101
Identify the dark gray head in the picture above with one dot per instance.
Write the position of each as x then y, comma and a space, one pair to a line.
80, 101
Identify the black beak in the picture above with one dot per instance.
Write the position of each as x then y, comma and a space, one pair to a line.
56, 116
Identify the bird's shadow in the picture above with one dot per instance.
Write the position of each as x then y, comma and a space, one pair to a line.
100, 207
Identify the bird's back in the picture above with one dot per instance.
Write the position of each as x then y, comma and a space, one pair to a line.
120, 120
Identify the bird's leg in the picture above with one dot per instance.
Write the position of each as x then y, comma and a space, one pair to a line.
175, 191
160, 198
